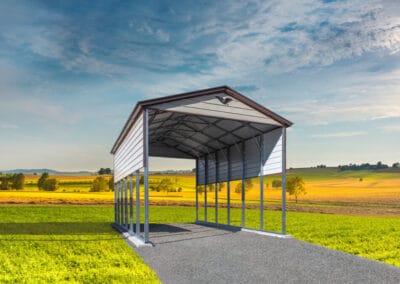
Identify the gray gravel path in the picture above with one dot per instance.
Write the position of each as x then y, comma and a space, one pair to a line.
189, 253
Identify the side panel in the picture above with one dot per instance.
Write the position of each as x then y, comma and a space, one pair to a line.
129, 156
271, 160
272, 152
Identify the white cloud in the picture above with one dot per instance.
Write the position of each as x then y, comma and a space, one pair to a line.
339, 134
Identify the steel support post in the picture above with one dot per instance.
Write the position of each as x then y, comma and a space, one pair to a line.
261, 183
197, 190
146, 178
283, 180
137, 231
121, 213
117, 196
205, 187
126, 202
115, 204
243, 186
228, 185
216, 187
131, 206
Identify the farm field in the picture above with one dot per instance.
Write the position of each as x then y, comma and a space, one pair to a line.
77, 243
328, 191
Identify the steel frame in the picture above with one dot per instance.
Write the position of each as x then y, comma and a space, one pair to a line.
123, 202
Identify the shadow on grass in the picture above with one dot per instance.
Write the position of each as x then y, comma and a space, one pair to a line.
74, 228
55, 228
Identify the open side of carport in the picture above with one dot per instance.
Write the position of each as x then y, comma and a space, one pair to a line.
230, 136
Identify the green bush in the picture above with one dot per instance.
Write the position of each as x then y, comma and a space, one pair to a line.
50, 184
276, 183
100, 184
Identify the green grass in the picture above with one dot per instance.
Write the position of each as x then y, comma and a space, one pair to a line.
41, 244
56, 244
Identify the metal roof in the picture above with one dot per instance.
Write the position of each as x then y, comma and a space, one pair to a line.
179, 128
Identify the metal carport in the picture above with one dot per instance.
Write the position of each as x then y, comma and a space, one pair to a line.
230, 136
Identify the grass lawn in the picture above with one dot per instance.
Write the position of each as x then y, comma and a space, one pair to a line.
77, 244
56, 244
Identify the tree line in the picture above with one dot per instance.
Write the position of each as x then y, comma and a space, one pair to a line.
12, 181
366, 166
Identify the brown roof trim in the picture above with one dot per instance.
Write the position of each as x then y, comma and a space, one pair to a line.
222, 89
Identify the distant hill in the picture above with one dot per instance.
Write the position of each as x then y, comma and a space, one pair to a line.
40, 171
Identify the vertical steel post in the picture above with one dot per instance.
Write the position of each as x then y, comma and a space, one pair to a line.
229, 184
137, 231
117, 195
243, 185
216, 187
126, 202
131, 206
261, 183
283, 180
120, 202
115, 205
205, 186
146, 179
197, 189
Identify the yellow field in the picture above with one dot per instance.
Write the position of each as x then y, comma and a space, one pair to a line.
374, 190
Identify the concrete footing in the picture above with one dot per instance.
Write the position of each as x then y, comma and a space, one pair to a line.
131, 238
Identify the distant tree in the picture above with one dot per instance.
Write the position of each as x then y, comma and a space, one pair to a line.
354, 167
238, 187
18, 181
321, 166
104, 171
111, 183
200, 189
210, 187
42, 180
295, 186
396, 165
50, 184
248, 184
99, 184
193, 170
5, 182
166, 185
221, 186
276, 183
141, 180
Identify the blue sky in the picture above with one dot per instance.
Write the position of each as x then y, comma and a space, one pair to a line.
70, 73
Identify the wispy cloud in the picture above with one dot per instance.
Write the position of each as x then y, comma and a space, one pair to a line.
391, 128
8, 126
339, 134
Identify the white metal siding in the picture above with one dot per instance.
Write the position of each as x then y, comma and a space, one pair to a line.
273, 152
129, 156
209, 105
272, 159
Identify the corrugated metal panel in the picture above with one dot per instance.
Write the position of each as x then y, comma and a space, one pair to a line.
252, 158
236, 162
129, 156
200, 171
222, 165
272, 159
210, 105
273, 152
211, 170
